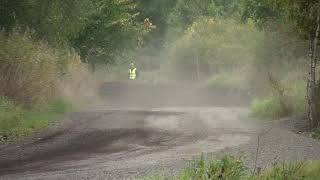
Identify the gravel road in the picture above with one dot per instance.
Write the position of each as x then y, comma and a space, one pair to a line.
137, 132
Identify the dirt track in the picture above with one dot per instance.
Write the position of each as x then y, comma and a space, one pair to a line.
139, 130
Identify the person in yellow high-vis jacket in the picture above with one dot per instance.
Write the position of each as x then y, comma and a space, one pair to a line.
133, 72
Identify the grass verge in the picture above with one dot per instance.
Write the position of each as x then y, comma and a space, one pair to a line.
17, 122
271, 108
316, 133
230, 168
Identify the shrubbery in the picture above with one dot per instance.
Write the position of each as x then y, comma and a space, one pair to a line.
212, 46
33, 75
267, 109
17, 122
230, 168
10, 116
316, 133
29, 70
271, 107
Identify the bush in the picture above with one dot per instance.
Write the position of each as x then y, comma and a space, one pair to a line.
292, 171
267, 109
10, 116
230, 168
16, 122
211, 46
294, 100
30, 70
316, 133
34, 77
297, 97
226, 168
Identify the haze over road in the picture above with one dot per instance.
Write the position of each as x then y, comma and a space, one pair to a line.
138, 130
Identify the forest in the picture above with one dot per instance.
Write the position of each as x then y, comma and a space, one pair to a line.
54, 56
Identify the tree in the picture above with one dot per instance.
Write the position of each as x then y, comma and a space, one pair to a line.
210, 47
303, 16
54, 21
157, 12
99, 30
188, 11
111, 29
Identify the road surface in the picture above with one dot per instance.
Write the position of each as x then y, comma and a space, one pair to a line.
138, 130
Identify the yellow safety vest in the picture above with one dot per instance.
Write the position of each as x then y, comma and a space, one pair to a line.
132, 74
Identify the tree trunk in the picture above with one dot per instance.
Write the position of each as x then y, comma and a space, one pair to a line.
316, 72
197, 67
92, 67
313, 87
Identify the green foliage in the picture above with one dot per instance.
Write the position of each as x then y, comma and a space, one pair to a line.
226, 168
59, 106
10, 115
261, 11
294, 171
186, 12
30, 70
296, 97
294, 100
230, 168
17, 122
99, 30
267, 109
158, 12
111, 28
213, 46
46, 17
301, 15
316, 133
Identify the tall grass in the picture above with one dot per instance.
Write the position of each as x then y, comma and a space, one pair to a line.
29, 70
271, 107
17, 122
316, 133
34, 79
225, 168
230, 168
10, 116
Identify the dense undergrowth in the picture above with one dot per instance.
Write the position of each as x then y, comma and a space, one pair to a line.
17, 122
230, 168
39, 83
316, 133
272, 108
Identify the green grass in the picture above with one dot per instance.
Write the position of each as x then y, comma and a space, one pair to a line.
225, 168
230, 168
17, 122
269, 108
297, 97
316, 133
292, 171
